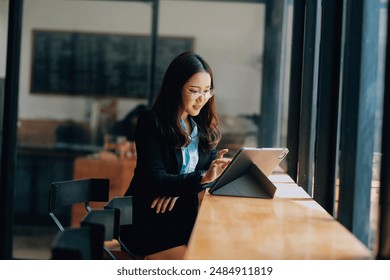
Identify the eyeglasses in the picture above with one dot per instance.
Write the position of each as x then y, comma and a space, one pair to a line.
195, 94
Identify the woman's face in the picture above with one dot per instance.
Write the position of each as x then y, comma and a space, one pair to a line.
193, 94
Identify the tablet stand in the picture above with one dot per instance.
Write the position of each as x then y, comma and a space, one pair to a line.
253, 183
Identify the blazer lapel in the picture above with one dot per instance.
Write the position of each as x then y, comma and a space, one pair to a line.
201, 161
179, 159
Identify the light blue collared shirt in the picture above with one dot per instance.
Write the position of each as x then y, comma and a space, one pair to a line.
190, 153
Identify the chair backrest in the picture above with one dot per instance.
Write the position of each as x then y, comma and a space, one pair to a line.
109, 218
71, 192
125, 206
84, 243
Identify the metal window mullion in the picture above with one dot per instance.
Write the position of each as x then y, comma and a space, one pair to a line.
153, 52
328, 106
268, 130
8, 145
295, 88
309, 95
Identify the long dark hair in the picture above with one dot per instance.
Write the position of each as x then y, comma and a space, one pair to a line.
168, 104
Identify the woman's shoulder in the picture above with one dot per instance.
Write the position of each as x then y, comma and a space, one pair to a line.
147, 118
147, 114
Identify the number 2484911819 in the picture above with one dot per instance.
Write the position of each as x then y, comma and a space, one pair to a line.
223, 270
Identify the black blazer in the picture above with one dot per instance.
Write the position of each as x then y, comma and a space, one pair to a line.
157, 174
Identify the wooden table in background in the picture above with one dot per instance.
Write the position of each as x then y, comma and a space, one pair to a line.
118, 171
289, 226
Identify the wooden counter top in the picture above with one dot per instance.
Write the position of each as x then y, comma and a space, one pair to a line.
289, 226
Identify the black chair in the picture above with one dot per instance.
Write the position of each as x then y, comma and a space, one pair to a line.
125, 207
84, 243
109, 219
66, 193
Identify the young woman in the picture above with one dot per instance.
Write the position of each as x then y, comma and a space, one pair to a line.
176, 154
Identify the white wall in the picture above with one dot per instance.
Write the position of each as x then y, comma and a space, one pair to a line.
228, 35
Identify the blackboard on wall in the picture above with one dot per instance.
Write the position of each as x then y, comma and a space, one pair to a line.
97, 64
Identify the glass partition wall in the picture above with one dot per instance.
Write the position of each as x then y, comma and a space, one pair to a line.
63, 115
84, 65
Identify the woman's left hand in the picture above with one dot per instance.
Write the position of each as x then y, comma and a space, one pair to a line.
161, 203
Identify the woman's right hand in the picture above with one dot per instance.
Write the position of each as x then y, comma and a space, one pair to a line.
163, 203
216, 168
